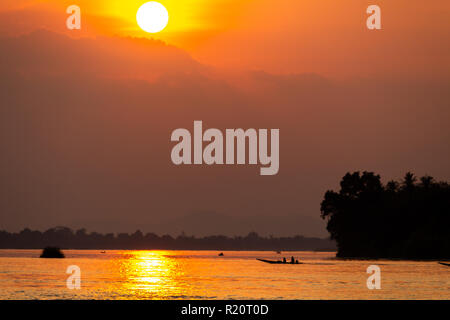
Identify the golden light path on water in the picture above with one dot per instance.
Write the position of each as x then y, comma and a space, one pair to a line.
205, 275
154, 272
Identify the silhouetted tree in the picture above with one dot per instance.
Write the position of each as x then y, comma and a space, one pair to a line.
399, 220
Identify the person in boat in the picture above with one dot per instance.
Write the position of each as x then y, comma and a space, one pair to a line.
296, 261
292, 260
284, 260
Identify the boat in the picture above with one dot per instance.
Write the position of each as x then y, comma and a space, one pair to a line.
277, 261
221, 254
444, 264
270, 261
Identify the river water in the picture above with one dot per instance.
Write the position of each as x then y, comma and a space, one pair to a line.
129, 274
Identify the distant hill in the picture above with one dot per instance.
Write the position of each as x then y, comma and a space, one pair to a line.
49, 53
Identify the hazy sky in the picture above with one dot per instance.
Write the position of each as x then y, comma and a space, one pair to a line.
86, 116
324, 36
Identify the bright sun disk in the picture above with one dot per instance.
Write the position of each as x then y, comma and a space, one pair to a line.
152, 17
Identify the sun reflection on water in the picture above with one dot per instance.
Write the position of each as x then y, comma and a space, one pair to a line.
151, 274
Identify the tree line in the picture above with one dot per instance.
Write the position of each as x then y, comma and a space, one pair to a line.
66, 238
408, 219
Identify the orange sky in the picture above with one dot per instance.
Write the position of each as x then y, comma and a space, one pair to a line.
86, 142
324, 36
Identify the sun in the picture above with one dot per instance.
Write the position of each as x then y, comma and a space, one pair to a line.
152, 17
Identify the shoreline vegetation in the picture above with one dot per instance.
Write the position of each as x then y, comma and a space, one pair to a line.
366, 219
65, 238
407, 219
52, 252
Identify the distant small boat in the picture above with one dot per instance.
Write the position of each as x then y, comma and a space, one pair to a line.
279, 252
221, 254
277, 261
103, 252
444, 264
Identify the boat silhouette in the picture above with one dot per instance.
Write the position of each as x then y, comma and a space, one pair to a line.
277, 261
